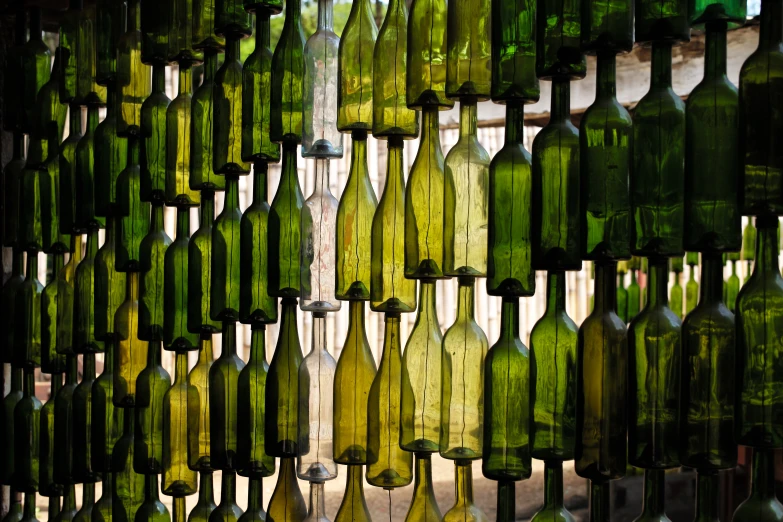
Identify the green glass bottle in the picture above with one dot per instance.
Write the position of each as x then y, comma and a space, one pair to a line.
63, 425
88, 92
285, 228
355, 73
464, 509
287, 502
256, 96
507, 415
509, 270
68, 510
255, 505
27, 318
711, 206
388, 465
110, 23
707, 414
553, 354
26, 426
66, 202
657, 182
178, 191
10, 290
203, 19
251, 459
468, 66
88, 502
558, 42
133, 76
13, 108
223, 388
255, 303
424, 506
181, 37
151, 386
675, 296
202, 171
553, 509
198, 408
622, 295
83, 467
133, 219
749, 244
390, 116
421, 378
84, 314
35, 59
155, 24
227, 110
555, 189
514, 52
48, 122
462, 407
66, 296
605, 136
288, 80
232, 20
46, 484
227, 510
9, 405
206, 499
732, 287
226, 253
653, 508
151, 285
654, 357
757, 375
54, 242
152, 509
153, 143
69, 26
84, 187
178, 479
109, 284
12, 174
53, 509
128, 492
199, 269
762, 504
425, 204
176, 336
427, 57
390, 291
131, 354
662, 21
602, 367
607, 29
353, 508
106, 417
354, 226
31, 211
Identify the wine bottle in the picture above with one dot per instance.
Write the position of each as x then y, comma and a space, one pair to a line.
553, 508
65, 297
288, 80
12, 174
133, 219
468, 65
35, 59
354, 225
84, 335
106, 418
206, 499
151, 386
420, 411
558, 42
31, 212
653, 509
287, 502
88, 502
84, 187
155, 28
256, 305
316, 406
231, 20
732, 286
223, 388
762, 503
427, 57
198, 407
225, 284
285, 228
152, 509
256, 96
227, 104
662, 21
707, 496
102, 510
199, 281
353, 508
151, 284
202, 165
675, 296
464, 508
47, 487
178, 191
26, 426
388, 464
129, 486
109, 284
355, 76
133, 76
8, 299
691, 288
252, 460
203, 19
131, 351
227, 510
178, 479
507, 415
66, 201
424, 506
27, 319
110, 22
46, 128
462, 407
83, 467
69, 26
153, 143
255, 505
176, 335
181, 40
63, 425
88, 92
622, 293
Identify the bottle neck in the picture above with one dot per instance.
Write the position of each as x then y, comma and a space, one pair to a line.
229, 339
156, 218
181, 367
92, 118
553, 483
205, 349
151, 487
606, 83
605, 292
288, 319
260, 180
29, 507
661, 69
263, 32
430, 129
231, 201
133, 16
133, 151
207, 210
707, 495
159, 78
257, 343
509, 319
515, 122
32, 266
206, 492
555, 291
228, 488
319, 332
17, 262
255, 495
107, 485
56, 385
658, 270
394, 164
70, 372
210, 65
767, 248
359, 154
232, 50
599, 501
561, 100
654, 491
771, 30
180, 512
88, 495
325, 10
289, 174
423, 480
132, 286
54, 507
88, 367
763, 473
711, 288
317, 506
153, 354
463, 483
506, 501
391, 339
69, 500
185, 79
467, 119
74, 125
465, 296
76, 249
29, 384
92, 242
321, 186
356, 327
715, 51
293, 10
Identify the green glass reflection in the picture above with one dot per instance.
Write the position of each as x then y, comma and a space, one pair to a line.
558, 41
178, 479
662, 20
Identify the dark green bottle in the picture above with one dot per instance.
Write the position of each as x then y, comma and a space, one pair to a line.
83, 468
128, 492
107, 419
762, 504
68, 510
654, 358
558, 41
133, 219
88, 92
553, 355
202, 170
602, 367
206, 499
48, 122
622, 293
355, 72
514, 52
102, 510
152, 509
110, 23
712, 209
155, 24
84, 323
256, 305
27, 319
181, 35
424, 506
111, 156
151, 286
553, 509
255, 506
13, 108
285, 228
657, 183
203, 19
288, 80
131, 350
84, 187
691, 287
69, 26
88, 502
31, 212
507, 408
151, 386
10, 290
26, 426
707, 414
707, 496
702, 12
555, 189
605, 137
468, 65
63, 426
68, 178
7, 452
227, 510
66, 294
12, 174
509, 270
176, 336
227, 107
223, 393
198, 409
251, 459
732, 286
178, 133
653, 506
153, 143
109, 284
427, 56
35, 59
757, 375
133, 76
226, 247
256, 96
232, 20
282, 388
607, 28
178, 479
662, 21
199, 280
46, 484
